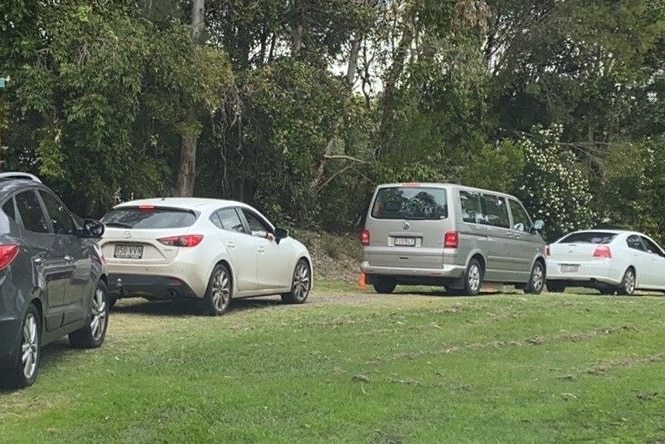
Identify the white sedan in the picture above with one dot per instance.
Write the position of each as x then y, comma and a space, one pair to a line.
609, 260
204, 249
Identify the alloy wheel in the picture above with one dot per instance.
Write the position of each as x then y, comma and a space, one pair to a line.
221, 290
30, 346
98, 321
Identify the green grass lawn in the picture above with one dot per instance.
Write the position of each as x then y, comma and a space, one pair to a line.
398, 368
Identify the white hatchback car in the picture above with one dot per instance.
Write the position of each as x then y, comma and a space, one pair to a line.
609, 260
204, 249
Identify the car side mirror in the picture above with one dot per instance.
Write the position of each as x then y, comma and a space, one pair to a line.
538, 225
281, 233
92, 228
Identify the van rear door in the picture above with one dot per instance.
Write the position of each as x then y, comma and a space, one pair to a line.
406, 225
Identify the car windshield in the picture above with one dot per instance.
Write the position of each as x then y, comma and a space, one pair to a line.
588, 237
149, 218
410, 203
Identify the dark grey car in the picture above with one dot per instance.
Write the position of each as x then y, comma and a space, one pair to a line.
52, 278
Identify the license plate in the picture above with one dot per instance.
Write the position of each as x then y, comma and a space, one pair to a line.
128, 251
405, 241
565, 268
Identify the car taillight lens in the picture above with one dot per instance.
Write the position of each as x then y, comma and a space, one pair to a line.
7, 255
603, 252
189, 240
364, 238
451, 239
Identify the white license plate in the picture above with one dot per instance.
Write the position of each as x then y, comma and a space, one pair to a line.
128, 251
405, 241
566, 268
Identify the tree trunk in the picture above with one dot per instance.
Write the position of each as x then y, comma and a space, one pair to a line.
391, 82
187, 171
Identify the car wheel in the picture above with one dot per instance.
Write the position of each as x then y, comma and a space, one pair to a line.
220, 289
537, 279
384, 285
24, 372
301, 284
473, 278
627, 285
94, 332
554, 287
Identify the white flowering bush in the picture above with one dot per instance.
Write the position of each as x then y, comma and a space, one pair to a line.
552, 186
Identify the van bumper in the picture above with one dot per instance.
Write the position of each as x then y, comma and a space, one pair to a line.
447, 272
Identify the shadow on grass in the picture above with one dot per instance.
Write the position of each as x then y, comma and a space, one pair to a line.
187, 307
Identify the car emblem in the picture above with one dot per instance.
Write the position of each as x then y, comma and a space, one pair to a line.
406, 225
127, 234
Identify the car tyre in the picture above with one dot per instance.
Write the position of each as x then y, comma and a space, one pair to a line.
384, 285
301, 284
627, 285
553, 287
537, 279
92, 335
24, 372
473, 278
218, 295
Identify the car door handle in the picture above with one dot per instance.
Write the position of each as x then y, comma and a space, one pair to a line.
262, 250
230, 245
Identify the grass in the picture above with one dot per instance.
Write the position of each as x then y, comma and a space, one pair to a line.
402, 368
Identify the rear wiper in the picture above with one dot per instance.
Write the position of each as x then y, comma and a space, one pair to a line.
117, 224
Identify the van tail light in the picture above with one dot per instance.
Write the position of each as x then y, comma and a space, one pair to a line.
451, 239
188, 240
547, 251
364, 237
7, 255
603, 252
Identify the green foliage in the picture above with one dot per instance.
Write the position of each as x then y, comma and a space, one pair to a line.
631, 191
496, 167
552, 186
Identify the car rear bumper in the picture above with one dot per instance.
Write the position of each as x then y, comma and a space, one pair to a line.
588, 273
153, 287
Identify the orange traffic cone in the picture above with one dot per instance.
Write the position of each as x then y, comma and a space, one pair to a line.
362, 281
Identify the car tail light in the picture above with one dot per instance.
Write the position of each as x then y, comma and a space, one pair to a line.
147, 208
7, 255
603, 251
547, 251
188, 240
364, 237
451, 239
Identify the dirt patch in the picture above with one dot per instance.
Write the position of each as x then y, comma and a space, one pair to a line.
335, 257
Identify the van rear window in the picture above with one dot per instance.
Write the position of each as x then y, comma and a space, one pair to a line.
410, 203
152, 218
589, 237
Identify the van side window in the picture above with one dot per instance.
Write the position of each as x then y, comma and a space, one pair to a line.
472, 210
496, 211
521, 220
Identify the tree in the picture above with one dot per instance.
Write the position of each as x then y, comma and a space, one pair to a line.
552, 186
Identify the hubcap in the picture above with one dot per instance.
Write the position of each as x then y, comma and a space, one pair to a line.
30, 346
474, 278
98, 322
221, 290
301, 281
537, 277
630, 282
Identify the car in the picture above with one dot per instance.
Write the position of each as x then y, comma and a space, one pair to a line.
207, 251
611, 261
450, 235
53, 280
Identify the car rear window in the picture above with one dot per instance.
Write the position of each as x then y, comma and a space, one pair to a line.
410, 203
589, 237
149, 218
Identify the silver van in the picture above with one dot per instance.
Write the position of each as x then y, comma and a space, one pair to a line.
450, 235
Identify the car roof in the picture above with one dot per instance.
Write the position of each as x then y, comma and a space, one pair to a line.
189, 203
442, 185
